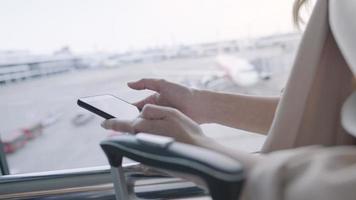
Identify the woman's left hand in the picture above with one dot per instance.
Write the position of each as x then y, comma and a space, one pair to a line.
160, 120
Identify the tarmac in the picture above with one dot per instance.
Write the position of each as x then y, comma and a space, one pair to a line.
64, 145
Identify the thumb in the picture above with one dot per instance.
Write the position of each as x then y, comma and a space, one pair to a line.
118, 125
155, 112
135, 126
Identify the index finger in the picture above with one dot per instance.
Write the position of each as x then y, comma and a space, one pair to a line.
151, 84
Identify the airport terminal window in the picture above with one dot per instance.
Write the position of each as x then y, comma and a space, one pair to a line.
52, 52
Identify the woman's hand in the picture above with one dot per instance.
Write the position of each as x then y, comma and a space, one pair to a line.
172, 95
160, 120
171, 122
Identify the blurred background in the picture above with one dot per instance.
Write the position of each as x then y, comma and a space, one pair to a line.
54, 51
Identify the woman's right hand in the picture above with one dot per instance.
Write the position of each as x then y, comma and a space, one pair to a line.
172, 95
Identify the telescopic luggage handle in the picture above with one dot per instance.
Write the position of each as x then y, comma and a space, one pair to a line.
223, 175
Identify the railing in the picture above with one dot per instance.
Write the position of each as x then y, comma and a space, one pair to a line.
95, 183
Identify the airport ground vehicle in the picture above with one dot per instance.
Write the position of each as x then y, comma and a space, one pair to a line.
17, 139
33, 131
14, 141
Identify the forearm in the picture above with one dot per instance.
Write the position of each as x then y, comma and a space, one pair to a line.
250, 113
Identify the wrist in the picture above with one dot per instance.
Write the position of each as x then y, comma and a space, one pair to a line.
202, 141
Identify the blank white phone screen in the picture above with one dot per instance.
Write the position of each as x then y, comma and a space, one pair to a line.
113, 106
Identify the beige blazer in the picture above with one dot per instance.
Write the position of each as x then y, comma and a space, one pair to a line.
314, 110
320, 82
308, 173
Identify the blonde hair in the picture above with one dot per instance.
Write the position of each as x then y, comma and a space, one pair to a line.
297, 19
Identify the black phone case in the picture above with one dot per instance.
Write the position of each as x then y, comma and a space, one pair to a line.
94, 110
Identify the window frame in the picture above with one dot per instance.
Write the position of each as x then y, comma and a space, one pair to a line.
94, 183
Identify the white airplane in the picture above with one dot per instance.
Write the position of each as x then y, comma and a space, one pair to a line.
239, 70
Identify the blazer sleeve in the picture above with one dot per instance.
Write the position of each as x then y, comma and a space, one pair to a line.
317, 173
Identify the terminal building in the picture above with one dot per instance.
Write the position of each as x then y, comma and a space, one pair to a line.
20, 65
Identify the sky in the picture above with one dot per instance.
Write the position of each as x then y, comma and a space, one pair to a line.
43, 26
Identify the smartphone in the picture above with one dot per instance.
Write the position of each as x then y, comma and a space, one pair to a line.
109, 106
